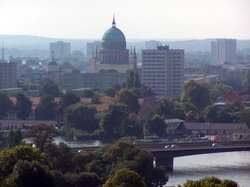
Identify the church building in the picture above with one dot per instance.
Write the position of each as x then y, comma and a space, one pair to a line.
113, 53
110, 65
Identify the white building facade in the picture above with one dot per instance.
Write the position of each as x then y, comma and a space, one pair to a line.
224, 51
163, 70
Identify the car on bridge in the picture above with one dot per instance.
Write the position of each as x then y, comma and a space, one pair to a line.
171, 146
215, 144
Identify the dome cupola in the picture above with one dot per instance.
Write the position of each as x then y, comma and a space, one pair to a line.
113, 38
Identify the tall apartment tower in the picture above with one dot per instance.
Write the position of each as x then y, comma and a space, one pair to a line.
163, 70
61, 50
8, 73
223, 51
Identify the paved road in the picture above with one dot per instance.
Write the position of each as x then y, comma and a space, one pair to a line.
160, 146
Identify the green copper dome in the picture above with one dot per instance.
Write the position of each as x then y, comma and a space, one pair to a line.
113, 38
52, 63
113, 35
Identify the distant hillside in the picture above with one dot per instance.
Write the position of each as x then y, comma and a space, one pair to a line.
21, 45
37, 42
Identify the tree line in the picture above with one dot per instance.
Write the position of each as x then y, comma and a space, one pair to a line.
119, 164
51, 165
122, 117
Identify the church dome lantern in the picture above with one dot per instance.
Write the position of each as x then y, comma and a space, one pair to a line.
113, 38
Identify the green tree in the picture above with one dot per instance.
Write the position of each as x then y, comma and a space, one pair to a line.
196, 93
67, 100
129, 99
146, 91
246, 81
42, 135
49, 87
218, 89
112, 120
245, 116
59, 157
211, 114
89, 93
95, 100
81, 117
214, 114
14, 137
109, 158
168, 108
133, 79
6, 105
125, 178
210, 182
83, 179
26, 173
23, 106
110, 92
46, 109
2, 140
9, 157
131, 126
156, 125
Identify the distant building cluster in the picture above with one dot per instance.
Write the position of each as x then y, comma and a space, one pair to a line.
109, 62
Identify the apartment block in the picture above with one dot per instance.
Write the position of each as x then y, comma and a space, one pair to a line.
163, 70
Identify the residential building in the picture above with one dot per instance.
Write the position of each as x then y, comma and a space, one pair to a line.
8, 75
163, 70
61, 49
223, 51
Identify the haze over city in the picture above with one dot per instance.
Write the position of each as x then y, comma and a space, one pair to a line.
171, 19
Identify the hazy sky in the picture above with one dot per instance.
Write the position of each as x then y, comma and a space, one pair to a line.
141, 19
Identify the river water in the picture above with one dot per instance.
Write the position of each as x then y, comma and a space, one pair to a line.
233, 165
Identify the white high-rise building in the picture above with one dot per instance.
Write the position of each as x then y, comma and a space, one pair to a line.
163, 70
60, 49
223, 51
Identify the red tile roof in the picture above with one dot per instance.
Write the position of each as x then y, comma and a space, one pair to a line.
146, 103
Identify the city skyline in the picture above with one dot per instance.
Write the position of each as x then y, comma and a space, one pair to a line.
161, 19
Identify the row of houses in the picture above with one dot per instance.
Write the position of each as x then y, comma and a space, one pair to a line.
232, 131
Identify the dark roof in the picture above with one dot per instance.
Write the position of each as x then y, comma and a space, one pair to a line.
229, 126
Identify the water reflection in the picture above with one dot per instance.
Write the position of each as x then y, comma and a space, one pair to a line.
234, 165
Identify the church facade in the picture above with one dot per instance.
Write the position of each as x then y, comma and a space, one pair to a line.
113, 53
110, 65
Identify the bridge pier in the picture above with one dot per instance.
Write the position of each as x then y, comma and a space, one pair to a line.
168, 162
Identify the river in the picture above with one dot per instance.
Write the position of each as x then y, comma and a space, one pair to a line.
233, 165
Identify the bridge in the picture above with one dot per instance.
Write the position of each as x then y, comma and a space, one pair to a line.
165, 152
